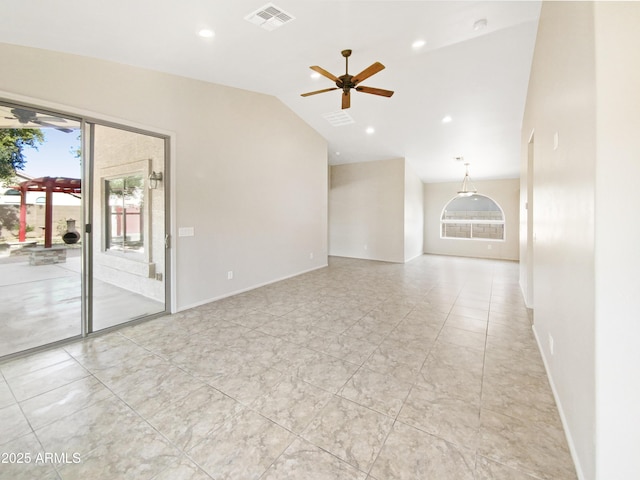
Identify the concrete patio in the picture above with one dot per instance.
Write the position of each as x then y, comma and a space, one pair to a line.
42, 304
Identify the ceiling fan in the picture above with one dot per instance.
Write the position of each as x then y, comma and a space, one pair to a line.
346, 82
25, 117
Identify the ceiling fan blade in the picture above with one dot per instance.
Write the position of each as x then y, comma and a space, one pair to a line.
367, 72
61, 129
52, 119
322, 71
346, 99
318, 91
51, 125
375, 91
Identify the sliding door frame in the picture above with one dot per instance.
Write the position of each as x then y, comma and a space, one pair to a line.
87, 122
92, 122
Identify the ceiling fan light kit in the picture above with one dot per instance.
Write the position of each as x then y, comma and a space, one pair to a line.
348, 82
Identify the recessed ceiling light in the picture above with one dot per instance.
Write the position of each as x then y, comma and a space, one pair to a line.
315, 75
418, 44
206, 33
447, 119
370, 130
337, 154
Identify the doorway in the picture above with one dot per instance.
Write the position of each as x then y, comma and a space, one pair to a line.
83, 228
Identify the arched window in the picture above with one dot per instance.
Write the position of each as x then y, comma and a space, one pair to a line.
472, 217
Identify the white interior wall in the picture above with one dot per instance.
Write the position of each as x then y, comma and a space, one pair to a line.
561, 110
366, 210
413, 214
250, 176
617, 256
504, 192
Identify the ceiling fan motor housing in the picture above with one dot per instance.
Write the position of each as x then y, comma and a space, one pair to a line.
345, 82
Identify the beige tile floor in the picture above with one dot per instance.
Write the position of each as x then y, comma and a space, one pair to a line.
363, 370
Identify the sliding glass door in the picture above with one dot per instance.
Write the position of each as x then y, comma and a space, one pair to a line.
40, 209
83, 236
128, 225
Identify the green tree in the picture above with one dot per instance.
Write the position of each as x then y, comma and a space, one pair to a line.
12, 143
76, 150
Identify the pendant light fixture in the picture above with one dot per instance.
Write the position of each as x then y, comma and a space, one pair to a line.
468, 188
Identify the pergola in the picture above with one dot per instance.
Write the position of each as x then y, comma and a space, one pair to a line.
49, 185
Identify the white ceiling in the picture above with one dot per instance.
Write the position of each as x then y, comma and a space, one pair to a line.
478, 77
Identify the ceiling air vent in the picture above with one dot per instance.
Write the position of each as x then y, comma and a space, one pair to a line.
339, 118
269, 17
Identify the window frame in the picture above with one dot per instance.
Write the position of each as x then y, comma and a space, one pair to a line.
473, 221
134, 168
109, 245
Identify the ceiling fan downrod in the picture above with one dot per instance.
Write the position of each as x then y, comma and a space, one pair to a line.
345, 82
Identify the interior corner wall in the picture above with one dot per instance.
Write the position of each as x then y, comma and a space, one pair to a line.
250, 176
504, 192
526, 219
413, 214
561, 109
617, 256
366, 210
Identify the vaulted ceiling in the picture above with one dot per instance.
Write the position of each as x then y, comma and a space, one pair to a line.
473, 67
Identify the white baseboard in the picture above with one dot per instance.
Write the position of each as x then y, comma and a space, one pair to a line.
563, 418
524, 296
252, 287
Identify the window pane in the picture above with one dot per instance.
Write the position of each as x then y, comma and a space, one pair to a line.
456, 230
472, 207
476, 216
493, 231
125, 198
